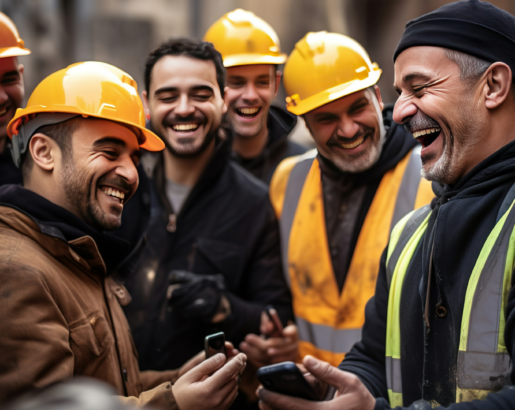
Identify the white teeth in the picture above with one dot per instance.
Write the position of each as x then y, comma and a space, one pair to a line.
3, 111
113, 192
185, 127
354, 144
417, 134
248, 111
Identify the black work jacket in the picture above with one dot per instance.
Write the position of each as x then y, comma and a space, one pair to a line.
463, 217
280, 124
9, 173
226, 226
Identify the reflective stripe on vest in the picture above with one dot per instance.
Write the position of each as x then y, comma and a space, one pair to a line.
330, 323
484, 365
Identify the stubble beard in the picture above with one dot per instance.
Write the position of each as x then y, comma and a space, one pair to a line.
247, 133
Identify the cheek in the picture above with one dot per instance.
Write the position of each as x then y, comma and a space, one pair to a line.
15, 93
321, 133
231, 96
267, 94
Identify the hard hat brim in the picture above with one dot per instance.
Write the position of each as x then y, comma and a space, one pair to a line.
13, 52
333, 94
253, 59
151, 143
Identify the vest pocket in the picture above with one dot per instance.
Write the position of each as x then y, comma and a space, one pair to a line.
89, 339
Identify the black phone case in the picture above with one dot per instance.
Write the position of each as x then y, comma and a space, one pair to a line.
214, 344
286, 378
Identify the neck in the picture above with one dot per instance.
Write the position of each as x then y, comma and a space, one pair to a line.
250, 147
3, 144
186, 171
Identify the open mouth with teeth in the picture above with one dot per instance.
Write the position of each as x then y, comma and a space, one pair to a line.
3, 111
113, 193
428, 136
185, 127
248, 112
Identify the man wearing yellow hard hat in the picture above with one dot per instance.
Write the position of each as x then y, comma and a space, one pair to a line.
78, 144
338, 203
11, 92
251, 53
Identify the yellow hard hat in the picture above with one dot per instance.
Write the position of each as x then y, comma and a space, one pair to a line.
93, 89
243, 39
11, 45
324, 67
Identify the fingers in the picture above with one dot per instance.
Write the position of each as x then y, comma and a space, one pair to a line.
266, 326
231, 351
231, 370
205, 368
193, 362
329, 374
281, 401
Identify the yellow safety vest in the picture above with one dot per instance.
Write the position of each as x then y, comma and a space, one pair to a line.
329, 323
484, 365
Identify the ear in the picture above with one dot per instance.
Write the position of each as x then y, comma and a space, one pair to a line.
224, 108
378, 95
278, 76
498, 84
44, 151
146, 107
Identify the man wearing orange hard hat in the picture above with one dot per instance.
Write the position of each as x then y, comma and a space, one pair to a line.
251, 53
11, 92
337, 204
77, 144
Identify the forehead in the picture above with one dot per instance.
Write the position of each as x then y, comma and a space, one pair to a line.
8, 64
92, 130
422, 61
250, 71
343, 104
183, 73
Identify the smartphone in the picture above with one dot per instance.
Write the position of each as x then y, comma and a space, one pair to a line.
286, 378
274, 318
214, 344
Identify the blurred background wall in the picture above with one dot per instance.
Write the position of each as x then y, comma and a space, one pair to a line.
122, 32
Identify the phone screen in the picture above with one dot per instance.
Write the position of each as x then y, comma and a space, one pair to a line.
214, 344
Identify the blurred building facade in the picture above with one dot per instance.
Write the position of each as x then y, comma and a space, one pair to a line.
122, 32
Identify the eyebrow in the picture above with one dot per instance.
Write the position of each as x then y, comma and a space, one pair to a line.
413, 76
176, 89
358, 102
116, 141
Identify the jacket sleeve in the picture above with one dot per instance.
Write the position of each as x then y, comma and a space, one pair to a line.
264, 282
366, 359
160, 397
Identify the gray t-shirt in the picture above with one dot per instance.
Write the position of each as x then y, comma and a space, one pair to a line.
176, 194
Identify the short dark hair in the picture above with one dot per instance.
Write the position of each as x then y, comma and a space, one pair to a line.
201, 50
61, 133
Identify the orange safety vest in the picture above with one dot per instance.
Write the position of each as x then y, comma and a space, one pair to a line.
330, 323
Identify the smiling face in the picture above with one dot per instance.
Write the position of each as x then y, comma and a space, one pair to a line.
185, 104
441, 111
11, 91
99, 175
349, 131
249, 93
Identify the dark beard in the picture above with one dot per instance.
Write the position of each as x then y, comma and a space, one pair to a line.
205, 144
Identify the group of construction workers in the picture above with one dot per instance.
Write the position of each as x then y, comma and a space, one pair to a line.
134, 225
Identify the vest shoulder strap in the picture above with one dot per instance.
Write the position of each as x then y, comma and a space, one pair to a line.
506, 203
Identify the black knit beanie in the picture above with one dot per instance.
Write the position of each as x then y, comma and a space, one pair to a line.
473, 27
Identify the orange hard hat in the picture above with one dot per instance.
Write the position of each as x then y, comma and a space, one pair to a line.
11, 45
90, 89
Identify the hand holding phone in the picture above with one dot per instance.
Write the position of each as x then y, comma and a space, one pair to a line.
214, 344
276, 321
286, 378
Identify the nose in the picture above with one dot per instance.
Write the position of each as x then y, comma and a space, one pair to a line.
184, 108
403, 111
347, 127
250, 93
127, 170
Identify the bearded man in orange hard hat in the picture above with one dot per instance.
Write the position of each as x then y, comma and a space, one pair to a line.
337, 204
11, 92
251, 53
78, 144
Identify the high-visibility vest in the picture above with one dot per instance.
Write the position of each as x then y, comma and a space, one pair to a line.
484, 365
329, 323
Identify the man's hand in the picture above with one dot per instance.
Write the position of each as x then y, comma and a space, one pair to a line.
200, 357
213, 384
281, 348
351, 393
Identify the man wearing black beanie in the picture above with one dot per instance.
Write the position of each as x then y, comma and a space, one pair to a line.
440, 330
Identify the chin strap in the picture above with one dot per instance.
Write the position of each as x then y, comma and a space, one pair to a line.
20, 141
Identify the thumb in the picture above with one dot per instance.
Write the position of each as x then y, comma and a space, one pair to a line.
206, 368
325, 372
290, 331
266, 325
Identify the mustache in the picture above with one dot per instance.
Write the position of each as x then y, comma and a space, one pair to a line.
336, 140
116, 182
420, 121
174, 119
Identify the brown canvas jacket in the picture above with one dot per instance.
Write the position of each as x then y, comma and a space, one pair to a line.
60, 316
